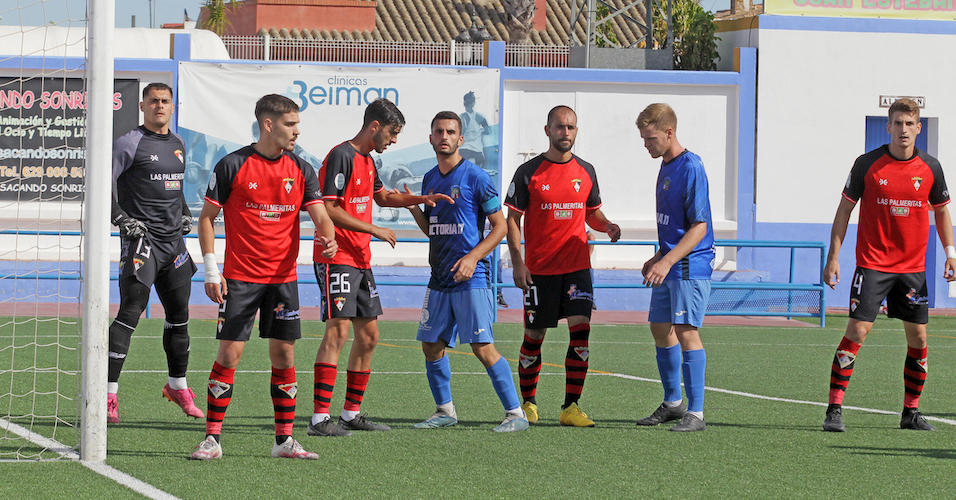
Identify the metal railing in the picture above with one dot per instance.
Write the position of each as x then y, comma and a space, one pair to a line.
755, 298
271, 48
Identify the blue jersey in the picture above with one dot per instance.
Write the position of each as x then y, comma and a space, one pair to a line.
683, 199
455, 229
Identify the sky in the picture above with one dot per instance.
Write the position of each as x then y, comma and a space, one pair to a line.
73, 12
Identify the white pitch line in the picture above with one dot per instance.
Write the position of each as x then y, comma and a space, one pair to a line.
143, 488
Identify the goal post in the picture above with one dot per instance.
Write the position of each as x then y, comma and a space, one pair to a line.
96, 230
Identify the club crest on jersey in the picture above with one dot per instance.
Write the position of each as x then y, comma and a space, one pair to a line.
526, 360
291, 389
455, 192
137, 263
917, 182
339, 302
666, 183
287, 184
576, 183
179, 154
845, 358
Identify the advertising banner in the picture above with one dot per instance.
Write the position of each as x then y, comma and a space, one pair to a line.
901, 9
217, 103
43, 132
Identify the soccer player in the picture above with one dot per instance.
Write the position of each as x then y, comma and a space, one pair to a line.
152, 216
896, 185
260, 189
680, 271
349, 184
458, 301
557, 193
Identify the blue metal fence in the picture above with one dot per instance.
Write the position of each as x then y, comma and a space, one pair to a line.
728, 296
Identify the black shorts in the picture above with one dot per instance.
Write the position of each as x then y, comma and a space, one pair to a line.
905, 295
347, 292
276, 303
150, 261
556, 296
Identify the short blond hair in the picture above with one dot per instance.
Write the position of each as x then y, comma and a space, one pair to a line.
660, 115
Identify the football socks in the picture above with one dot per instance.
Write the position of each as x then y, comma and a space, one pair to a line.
914, 376
284, 389
504, 384
693, 368
218, 396
669, 366
841, 369
356, 383
529, 366
324, 383
438, 374
176, 345
576, 363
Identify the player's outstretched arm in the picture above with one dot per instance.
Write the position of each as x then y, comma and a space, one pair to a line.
215, 284
599, 222
393, 198
522, 276
944, 228
416, 211
324, 229
343, 220
658, 270
831, 273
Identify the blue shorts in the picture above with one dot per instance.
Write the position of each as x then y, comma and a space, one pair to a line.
465, 314
680, 302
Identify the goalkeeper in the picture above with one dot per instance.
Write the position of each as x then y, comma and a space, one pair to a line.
152, 216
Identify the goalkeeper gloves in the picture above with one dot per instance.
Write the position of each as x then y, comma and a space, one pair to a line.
129, 228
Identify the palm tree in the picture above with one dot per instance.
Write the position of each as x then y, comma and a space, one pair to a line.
520, 15
217, 15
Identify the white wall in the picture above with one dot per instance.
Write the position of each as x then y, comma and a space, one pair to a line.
608, 139
815, 89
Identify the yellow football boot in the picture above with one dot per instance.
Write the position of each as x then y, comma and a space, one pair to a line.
573, 416
530, 411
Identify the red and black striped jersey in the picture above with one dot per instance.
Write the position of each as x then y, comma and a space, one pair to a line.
895, 198
555, 199
350, 178
260, 199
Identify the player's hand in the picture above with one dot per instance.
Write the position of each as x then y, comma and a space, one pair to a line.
217, 291
329, 245
613, 231
187, 224
464, 268
646, 268
432, 199
522, 276
655, 273
949, 270
831, 273
384, 234
129, 228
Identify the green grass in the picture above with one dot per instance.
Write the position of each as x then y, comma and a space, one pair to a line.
752, 447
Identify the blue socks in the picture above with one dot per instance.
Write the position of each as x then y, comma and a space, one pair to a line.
439, 379
504, 383
693, 369
669, 366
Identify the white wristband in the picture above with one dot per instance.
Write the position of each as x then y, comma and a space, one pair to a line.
212, 268
951, 252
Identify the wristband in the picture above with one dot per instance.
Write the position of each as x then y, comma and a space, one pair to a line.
212, 268
950, 252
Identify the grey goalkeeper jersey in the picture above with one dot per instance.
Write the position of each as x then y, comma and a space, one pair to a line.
148, 176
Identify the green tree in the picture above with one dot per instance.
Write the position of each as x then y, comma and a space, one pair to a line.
695, 36
217, 15
609, 39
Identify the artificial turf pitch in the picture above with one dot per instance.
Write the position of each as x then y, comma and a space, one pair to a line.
752, 447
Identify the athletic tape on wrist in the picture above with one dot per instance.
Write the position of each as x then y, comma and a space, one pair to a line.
212, 268
951, 252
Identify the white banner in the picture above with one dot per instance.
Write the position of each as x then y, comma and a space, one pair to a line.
217, 101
